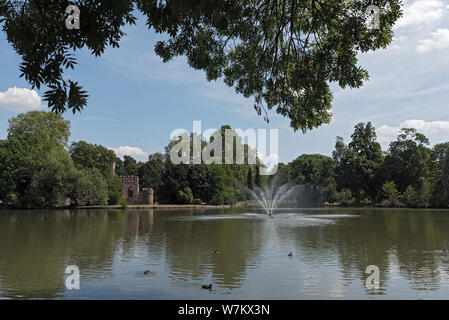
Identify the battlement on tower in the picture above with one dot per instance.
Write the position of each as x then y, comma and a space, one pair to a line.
131, 191
129, 179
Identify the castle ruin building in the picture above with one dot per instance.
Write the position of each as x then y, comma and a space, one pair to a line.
131, 190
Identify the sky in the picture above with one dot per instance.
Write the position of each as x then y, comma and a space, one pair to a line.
136, 100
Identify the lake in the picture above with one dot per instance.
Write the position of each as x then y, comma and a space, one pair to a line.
331, 249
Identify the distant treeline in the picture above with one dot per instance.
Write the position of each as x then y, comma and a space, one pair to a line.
38, 168
409, 173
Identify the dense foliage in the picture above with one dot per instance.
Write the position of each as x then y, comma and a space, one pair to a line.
284, 54
39, 169
201, 183
409, 173
36, 170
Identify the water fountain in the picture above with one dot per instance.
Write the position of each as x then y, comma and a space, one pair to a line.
272, 194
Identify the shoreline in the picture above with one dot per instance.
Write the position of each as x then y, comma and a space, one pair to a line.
238, 205
154, 206
130, 206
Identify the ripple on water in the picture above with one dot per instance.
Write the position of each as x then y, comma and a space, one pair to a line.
223, 217
284, 218
301, 220
330, 216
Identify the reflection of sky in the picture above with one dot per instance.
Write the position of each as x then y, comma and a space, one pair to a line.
328, 261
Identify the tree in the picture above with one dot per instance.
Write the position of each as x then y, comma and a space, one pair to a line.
198, 177
222, 186
174, 178
206, 182
345, 169
50, 185
283, 53
150, 172
317, 175
418, 198
249, 179
440, 151
4, 183
364, 142
185, 196
440, 195
359, 162
35, 143
258, 178
37, 171
38, 126
93, 156
408, 162
130, 165
86, 155
115, 188
89, 187
410, 197
390, 192
368, 159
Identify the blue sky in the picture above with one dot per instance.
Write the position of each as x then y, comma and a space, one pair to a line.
136, 100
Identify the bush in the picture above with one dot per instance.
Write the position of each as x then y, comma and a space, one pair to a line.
418, 198
227, 198
185, 196
390, 191
122, 202
410, 197
115, 187
344, 196
89, 187
50, 185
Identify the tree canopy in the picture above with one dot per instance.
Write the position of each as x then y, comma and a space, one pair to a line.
284, 54
37, 170
86, 155
359, 161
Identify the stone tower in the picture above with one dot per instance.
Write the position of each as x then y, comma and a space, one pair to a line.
131, 191
133, 194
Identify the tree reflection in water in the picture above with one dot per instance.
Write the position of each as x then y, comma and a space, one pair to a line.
112, 248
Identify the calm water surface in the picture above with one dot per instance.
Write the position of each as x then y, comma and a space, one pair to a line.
331, 250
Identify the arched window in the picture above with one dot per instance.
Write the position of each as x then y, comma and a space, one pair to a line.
130, 192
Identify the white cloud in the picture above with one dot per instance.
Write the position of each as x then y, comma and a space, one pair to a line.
387, 133
428, 127
20, 99
439, 40
129, 151
422, 12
